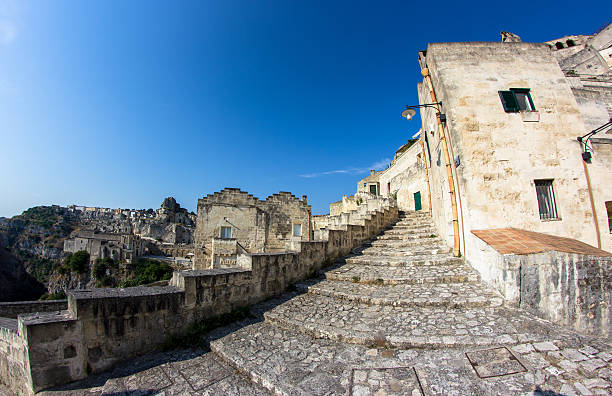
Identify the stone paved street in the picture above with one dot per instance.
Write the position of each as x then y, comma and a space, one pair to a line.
369, 328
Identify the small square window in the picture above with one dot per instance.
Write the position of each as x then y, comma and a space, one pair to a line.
516, 99
547, 204
226, 232
297, 230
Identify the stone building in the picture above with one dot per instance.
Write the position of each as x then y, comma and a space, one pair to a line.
119, 247
232, 222
369, 184
511, 116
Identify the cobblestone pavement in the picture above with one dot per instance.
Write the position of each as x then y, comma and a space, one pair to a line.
187, 372
378, 323
403, 317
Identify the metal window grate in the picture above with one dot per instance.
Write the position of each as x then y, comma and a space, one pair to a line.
546, 199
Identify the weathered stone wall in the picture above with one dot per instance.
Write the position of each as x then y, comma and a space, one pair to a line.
570, 289
349, 203
405, 177
573, 290
104, 326
258, 226
501, 154
13, 309
13, 361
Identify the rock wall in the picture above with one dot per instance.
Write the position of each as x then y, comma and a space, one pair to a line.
13, 358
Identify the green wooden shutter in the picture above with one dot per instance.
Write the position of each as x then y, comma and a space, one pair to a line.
509, 101
417, 201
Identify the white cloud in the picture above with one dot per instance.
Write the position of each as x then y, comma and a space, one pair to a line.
383, 163
8, 32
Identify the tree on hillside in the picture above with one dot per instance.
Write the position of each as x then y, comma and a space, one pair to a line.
79, 261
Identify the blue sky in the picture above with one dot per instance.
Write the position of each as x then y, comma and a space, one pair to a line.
120, 104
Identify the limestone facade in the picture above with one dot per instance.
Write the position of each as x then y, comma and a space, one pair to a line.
119, 247
498, 157
369, 184
231, 222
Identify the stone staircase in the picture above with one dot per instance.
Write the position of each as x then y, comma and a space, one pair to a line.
401, 293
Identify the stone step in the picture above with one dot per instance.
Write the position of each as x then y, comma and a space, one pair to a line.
410, 229
290, 363
406, 224
372, 274
401, 327
405, 261
451, 295
407, 236
401, 252
408, 243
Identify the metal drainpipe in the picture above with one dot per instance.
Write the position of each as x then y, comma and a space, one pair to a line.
426, 172
449, 171
452, 153
588, 179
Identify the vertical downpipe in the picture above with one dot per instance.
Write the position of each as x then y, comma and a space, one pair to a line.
426, 172
588, 179
449, 171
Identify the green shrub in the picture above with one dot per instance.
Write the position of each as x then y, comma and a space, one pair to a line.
145, 271
53, 296
44, 216
78, 262
99, 269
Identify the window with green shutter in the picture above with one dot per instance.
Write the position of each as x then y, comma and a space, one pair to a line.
509, 101
516, 99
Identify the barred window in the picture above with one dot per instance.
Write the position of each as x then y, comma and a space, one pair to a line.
226, 232
546, 199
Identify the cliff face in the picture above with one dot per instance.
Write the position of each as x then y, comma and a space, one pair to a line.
32, 243
15, 282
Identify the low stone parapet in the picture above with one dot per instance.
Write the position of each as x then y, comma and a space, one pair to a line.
559, 279
101, 327
13, 309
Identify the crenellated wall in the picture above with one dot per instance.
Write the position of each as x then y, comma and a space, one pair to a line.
104, 326
257, 226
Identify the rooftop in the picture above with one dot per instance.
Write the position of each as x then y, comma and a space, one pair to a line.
517, 241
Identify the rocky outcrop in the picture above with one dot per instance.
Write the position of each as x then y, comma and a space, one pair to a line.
33, 241
15, 282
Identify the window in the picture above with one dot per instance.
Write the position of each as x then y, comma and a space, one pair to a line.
373, 189
297, 230
226, 232
516, 99
546, 199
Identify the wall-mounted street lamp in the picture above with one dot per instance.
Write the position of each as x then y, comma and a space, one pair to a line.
411, 112
586, 154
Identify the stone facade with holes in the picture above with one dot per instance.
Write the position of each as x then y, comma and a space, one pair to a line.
231, 222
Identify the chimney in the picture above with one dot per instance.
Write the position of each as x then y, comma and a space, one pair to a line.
305, 199
372, 172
